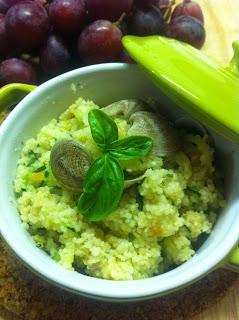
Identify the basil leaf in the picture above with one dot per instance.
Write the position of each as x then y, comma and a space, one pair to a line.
130, 148
103, 129
103, 187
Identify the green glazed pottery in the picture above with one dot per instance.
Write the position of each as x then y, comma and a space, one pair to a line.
13, 93
208, 91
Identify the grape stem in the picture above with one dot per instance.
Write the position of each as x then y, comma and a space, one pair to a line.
168, 10
120, 20
35, 60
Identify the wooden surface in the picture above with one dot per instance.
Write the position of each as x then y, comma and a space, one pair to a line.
225, 309
222, 25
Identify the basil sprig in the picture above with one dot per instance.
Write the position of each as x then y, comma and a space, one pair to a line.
103, 187
103, 129
130, 148
104, 183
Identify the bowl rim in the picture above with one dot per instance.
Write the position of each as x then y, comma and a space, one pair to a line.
101, 288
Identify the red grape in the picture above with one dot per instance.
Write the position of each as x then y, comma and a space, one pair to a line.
16, 70
6, 4
55, 57
123, 27
126, 58
27, 24
7, 48
188, 8
187, 29
100, 42
147, 22
67, 15
145, 3
108, 9
3, 6
164, 5
3, 37
43, 3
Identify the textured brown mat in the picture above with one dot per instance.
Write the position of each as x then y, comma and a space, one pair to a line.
29, 298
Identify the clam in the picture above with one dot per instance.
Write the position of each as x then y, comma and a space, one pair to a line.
69, 162
124, 108
191, 126
165, 137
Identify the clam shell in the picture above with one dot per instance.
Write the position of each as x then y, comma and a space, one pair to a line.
124, 108
165, 137
69, 164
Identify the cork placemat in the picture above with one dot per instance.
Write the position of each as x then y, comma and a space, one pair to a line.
26, 297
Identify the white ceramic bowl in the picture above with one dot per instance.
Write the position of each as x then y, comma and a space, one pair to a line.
104, 84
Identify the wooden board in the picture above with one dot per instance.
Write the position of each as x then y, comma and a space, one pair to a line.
226, 309
222, 24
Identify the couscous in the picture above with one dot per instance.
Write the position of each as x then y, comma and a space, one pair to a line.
157, 224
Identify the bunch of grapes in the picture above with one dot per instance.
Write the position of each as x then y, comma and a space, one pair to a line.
43, 38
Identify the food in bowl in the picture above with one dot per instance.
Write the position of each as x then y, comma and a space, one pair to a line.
170, 196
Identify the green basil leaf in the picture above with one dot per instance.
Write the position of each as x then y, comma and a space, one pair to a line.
103, 129
103, 188
130, 148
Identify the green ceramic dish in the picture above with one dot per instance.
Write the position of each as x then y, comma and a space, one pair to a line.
13, 93
208, 91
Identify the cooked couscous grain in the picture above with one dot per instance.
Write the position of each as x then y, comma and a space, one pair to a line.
156, 223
